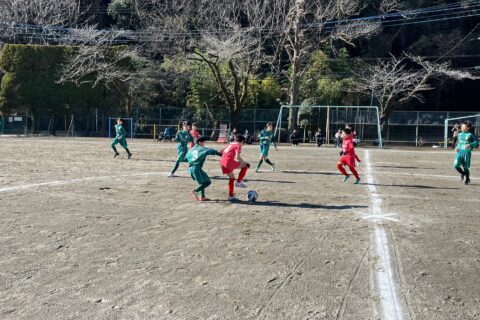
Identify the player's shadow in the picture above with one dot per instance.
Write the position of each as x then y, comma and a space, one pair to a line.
312, 172
256, 180
306, 205
153, 160
408, 186
403, 167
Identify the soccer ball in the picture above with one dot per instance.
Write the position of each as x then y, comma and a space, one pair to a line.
252, 196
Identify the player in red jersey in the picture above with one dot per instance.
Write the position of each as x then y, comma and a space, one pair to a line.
348, 156
195, 134
232, 160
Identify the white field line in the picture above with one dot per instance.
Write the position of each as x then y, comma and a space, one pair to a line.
390, 306
75, 181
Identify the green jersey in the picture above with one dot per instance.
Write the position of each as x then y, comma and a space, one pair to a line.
466, 142
266, 137
183, 138
197, 155
120, 132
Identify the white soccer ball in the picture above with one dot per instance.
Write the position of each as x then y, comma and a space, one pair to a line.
252, 196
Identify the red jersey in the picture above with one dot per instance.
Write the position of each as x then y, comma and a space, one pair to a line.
229, 154
195, 134
348, 147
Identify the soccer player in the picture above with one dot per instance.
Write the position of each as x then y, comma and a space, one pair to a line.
120, 138
232, 160
195, 134
294, 138
183, 137
319, 137
348, 156
465, 144
266, 139
196, 158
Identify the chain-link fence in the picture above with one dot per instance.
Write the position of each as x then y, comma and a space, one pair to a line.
404, 127
208, 120
65, 125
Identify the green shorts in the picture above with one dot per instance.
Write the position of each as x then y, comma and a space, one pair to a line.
264, 148
199, 175
463, 159
182, 153
122, 142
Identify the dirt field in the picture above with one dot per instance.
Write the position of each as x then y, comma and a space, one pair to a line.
86, 236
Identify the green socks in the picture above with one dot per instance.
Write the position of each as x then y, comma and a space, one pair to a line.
177, 164
259, 164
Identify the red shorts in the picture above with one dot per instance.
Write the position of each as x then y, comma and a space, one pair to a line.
228, 167
348, 161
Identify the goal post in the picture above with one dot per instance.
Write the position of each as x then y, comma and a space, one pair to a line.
375, 121
128, 123
447, 126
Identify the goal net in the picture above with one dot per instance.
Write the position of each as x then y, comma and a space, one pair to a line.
128, 124
364, 120
450, 128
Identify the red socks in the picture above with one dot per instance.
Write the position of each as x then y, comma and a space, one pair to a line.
354, 171
342, 170
242, 174
231, 186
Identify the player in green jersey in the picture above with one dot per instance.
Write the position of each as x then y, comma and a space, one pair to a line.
266, 138
196, 158
120, 138
465, 144
183, 138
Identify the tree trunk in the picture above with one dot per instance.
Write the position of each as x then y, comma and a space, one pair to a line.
216, 123
53, 118
234, 119
294, 96
34, 123
129, 105
384, 124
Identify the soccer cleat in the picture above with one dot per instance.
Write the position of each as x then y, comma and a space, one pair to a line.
462, 177
116, 155
171, 175
357, 181
467, 182
257, 170
194, 194
129, 156
240, 184
273, 167
346, 178
202, 199
232, 198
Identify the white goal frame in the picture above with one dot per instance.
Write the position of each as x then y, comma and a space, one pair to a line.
278, 127
445, 141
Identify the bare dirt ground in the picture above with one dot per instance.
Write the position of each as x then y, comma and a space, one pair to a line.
85, 236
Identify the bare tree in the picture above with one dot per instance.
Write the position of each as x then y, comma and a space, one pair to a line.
120, 70
226, 35
309, 24
392, 82
36, 21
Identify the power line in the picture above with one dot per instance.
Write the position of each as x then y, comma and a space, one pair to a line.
145, 36
399, 15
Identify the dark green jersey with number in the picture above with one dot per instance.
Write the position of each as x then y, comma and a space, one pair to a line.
197, 155
183, 138
266, 137
120, 132
466, 142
